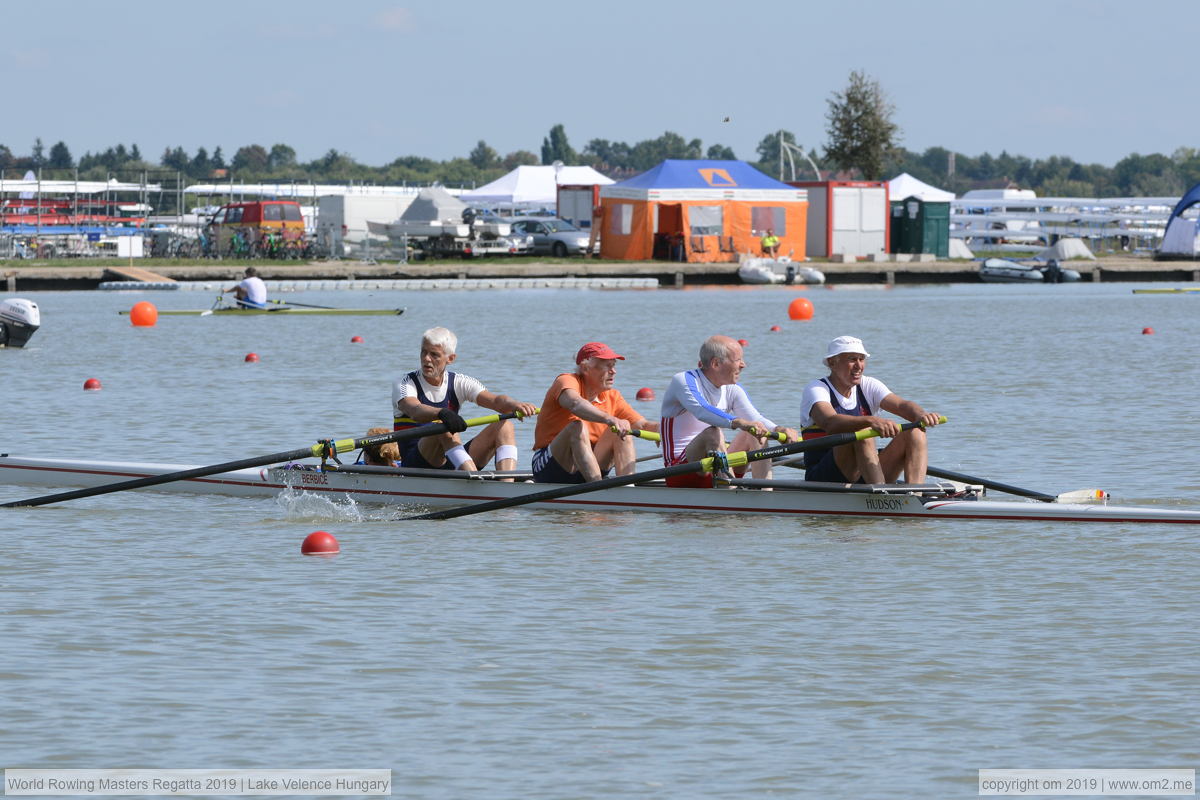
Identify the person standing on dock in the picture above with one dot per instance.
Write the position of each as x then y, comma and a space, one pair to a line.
251, 292
701, 403
848, 400
583, 429
434, 394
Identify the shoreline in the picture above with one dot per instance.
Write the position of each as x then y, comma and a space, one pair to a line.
669, 274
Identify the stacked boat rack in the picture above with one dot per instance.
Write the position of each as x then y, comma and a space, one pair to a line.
401, 284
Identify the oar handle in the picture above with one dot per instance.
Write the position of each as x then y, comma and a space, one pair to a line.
649, 436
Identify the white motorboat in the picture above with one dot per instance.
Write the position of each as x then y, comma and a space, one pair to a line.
782, 270
425, 489
19, 319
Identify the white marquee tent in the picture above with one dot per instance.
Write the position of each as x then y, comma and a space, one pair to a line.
905, 185
532, 186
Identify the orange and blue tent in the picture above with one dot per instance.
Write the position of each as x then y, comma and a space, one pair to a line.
700, 210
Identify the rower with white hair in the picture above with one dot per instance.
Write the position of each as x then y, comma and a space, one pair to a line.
435, 394
849, 400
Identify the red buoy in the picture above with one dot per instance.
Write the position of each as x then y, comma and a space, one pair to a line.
355, 339
143, 314
776, 328
1147, 331
743, 342
800, 308
645, 393
92, 385
320, 543
251, 358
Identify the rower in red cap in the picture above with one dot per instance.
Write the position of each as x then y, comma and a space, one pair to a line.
583, 428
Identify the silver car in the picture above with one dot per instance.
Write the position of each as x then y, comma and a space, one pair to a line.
551, 235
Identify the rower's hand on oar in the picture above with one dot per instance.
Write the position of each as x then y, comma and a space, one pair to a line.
621, 427
886, 428
524, 410
785, 434
929, 419
453, 422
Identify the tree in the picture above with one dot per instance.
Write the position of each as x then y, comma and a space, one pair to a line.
721, 152
281, 157
484, 157
519, 158
771, 157
60, 157
251, 158
6, 157
860, 128
175, 158
39, 156
134, 153
199, 165
555, 147
218, 160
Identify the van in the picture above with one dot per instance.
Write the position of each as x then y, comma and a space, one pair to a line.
238, 228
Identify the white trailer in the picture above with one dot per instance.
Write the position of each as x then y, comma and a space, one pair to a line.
342, 221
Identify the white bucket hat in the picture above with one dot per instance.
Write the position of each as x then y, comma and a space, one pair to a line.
845, 344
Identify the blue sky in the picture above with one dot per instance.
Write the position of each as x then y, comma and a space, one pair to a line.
376, 79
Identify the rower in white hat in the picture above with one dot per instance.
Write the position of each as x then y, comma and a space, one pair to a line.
849, 400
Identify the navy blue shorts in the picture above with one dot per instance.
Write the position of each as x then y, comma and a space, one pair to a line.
410, 456
825, 470
547, 470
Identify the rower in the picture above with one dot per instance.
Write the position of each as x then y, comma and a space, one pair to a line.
583, 429
434, 394
700, 403
251, 292
848, 400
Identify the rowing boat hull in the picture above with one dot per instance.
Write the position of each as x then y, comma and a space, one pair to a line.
280, 311
428, 492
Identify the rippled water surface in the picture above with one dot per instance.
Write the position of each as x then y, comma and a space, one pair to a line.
570, 654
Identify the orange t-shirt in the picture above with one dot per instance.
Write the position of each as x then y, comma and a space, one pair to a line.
553, 417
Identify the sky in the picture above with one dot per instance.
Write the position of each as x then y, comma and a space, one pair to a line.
1094, 80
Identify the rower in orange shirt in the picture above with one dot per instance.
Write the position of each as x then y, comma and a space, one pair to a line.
583, 428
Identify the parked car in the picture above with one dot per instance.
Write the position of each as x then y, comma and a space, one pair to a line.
552, 235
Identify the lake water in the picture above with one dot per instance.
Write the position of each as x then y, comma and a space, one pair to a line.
555, 655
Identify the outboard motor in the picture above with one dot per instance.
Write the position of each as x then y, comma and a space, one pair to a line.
18, 320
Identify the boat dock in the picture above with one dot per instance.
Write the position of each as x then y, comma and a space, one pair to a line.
498, 274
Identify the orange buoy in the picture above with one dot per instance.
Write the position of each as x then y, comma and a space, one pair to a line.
776, 328
645, 393
251, 358
1147, 331
92, 385
143, 314
743, 342
320, 543
800, 308
355, 339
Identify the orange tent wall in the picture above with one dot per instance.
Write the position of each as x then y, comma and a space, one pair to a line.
638, 244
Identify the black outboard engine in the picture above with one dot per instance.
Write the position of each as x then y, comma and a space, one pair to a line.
18, 321
1052, 273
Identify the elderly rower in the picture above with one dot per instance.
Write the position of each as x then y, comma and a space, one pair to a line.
434, 394
583, 428
849, 400
701, 403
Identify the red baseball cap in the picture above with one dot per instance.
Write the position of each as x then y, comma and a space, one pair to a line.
595, 350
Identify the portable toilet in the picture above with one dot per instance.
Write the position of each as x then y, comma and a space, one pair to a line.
920, 226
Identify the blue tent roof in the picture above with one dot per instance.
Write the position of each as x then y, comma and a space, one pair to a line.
677, 173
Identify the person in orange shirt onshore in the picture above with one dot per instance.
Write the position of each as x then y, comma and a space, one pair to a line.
583, 428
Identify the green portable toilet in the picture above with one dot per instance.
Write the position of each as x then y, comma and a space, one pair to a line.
920, 227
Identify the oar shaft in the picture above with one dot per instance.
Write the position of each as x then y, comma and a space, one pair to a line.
313, 451
999, 487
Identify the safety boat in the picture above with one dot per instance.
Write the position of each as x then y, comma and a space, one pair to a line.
782, 270
1001, 270
19, 319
